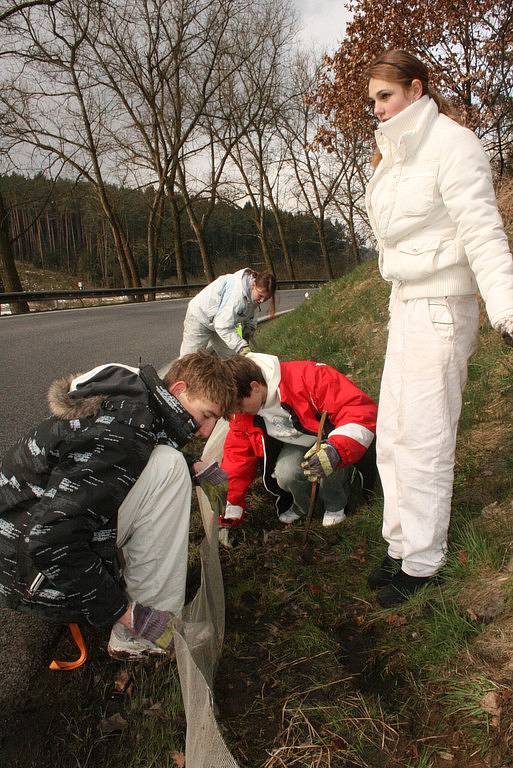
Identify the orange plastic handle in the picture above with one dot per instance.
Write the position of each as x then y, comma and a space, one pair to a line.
80, 643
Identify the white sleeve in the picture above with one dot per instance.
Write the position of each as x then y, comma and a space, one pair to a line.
467, 191
226, 318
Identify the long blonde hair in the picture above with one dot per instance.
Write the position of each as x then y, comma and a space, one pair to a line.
397, 66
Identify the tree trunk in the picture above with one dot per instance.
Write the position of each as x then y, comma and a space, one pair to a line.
355, 247
8, 271
124, 254
154, 228
181, 277
324, 249
281, 232
259, 218
264, 248
200, 239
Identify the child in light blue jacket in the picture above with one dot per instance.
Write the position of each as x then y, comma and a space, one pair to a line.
227, 303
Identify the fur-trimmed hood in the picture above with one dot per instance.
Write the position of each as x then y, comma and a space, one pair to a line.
81, 395
139, 393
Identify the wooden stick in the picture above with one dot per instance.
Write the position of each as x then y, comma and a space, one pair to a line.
315, 485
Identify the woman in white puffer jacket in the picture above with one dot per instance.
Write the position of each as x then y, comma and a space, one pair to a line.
227, 304
432, 208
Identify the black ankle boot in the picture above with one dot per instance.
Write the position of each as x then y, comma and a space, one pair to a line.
400, 588
384, 573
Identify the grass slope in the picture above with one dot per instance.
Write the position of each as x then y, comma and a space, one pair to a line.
313, 674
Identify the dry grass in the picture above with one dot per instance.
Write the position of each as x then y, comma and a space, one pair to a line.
505, 201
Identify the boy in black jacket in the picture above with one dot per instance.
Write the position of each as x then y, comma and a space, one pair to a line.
106, 471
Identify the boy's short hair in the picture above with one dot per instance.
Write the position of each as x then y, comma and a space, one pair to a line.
244, 371
206, 376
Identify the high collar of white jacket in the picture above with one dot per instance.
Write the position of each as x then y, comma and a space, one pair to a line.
402, 134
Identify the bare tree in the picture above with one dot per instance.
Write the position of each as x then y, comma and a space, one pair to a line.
12, 9
317, 179
249, 111
8, 271
328, 181
163, 62
59, 109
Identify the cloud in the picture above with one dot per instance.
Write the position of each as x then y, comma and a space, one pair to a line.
323, 22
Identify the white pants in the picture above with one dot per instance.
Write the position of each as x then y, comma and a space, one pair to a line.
429, 344
197, 336
153, 531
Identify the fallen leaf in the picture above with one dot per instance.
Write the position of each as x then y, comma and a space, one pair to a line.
178, 759
156, 711
506, 694
113, 724
462, 557
494, 721
359, 553
446, 756
122, 681
396, 620
490, 703
314, 588
337, 743
359, 621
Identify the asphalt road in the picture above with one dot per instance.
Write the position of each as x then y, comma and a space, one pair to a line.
35, 349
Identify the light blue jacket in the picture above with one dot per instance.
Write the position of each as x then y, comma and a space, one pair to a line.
223, 305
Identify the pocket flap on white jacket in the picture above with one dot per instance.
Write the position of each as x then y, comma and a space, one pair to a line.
419, 245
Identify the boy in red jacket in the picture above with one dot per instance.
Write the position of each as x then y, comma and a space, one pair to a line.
278, 413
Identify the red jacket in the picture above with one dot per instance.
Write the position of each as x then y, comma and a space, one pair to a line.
306, 389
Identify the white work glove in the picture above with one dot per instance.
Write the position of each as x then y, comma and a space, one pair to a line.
156, 626
318, 464
233, 516
505, 328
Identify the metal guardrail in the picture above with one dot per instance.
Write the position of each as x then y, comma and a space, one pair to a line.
7, 298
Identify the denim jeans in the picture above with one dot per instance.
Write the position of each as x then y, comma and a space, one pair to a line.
333, 490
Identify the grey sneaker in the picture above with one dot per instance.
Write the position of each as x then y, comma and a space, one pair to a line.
333, 518
123, 645
290, 515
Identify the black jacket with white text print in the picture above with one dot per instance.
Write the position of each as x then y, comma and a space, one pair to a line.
62, 484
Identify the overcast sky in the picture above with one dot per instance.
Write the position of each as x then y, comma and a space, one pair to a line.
323, 22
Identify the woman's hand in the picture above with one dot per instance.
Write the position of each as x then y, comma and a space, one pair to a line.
505, 328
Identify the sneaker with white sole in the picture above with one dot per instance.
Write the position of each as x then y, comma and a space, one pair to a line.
124, 645
333, 518
290, 515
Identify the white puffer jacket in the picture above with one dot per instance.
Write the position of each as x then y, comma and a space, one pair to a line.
223, 305
432, 208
